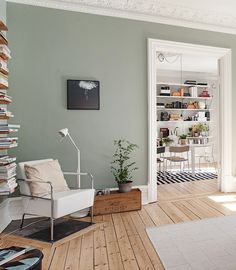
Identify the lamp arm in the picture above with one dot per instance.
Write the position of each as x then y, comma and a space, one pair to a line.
73, 142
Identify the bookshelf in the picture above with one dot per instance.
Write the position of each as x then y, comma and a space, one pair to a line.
8, 182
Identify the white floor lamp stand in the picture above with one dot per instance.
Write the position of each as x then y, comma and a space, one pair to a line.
65, 132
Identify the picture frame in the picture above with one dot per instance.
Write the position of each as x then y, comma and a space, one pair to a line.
83, 94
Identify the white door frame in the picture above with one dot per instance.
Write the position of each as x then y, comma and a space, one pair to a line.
225, 111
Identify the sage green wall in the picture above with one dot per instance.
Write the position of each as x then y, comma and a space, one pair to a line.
3, 10
49, 46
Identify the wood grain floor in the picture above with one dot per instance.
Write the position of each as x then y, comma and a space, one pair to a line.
119, 241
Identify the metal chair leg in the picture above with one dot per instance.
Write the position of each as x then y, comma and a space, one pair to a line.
22, 221
91, 214
52, 229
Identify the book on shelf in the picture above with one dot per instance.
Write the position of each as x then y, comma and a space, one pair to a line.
8, 187
3, 80
3, 67
3, 26
3, 38
9, 126
5, 160
5, 53
5, 99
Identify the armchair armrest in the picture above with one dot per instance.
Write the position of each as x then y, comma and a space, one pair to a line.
38, 181
86, 174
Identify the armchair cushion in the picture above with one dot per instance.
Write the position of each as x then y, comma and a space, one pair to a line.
46, 171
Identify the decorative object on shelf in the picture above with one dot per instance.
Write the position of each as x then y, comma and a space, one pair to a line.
193, 91
121, 166
176, 117
164, 132
203, 129
191, 105
204, 93
166, 141
201, 105
165, 116
176, 94
183, 139
83, 95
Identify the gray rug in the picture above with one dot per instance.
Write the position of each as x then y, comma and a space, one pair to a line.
208, 244
40, 228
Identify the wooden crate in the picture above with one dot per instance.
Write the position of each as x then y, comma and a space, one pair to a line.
117, 202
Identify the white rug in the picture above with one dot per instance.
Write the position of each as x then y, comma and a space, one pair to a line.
208, 244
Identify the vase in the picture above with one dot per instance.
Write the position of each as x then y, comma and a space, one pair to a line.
125, 186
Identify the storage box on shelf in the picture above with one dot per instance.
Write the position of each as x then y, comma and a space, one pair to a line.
7, 164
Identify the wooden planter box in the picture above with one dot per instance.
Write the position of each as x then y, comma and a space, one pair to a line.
117, 202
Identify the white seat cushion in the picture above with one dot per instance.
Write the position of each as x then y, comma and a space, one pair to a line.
65, 203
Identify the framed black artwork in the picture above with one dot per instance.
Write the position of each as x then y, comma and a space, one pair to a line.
83, 95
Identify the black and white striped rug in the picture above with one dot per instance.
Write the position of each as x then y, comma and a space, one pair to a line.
179, 177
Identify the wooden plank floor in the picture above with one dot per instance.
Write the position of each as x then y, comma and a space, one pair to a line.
119, 241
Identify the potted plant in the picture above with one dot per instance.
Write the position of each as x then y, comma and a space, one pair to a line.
183, 139
202, 129
121, 166
166, 141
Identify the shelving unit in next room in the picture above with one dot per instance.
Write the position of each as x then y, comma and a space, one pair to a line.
183, 103
8, 182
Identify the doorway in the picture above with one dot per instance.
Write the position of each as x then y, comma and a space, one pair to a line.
181, 77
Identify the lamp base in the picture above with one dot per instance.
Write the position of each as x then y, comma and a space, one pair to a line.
80, 214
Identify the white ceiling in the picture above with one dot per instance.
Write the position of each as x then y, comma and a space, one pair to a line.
215, 15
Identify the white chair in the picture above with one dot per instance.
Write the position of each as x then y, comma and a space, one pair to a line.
54, 205
177, 153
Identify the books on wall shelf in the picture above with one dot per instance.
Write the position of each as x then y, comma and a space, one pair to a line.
5, 53
8, 142
3, 27
5, 114
3, 67
3, 39
7, 175
7, 128
3, 81
4, 98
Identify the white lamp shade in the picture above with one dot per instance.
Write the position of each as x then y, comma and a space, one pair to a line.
63, 132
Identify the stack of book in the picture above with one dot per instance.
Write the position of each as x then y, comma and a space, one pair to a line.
7, 175
3, 39
3, 81
3, 67
5, 53
7, 128
5, 114
8, 142
4, 98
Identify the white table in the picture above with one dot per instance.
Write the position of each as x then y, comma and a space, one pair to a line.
192, 150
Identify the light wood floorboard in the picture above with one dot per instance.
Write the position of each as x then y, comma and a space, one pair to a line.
120, 241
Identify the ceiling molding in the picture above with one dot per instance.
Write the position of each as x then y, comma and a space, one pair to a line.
158, 11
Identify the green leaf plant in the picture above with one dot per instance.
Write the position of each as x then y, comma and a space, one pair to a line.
122, 166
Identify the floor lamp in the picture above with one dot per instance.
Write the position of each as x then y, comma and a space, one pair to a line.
65, 133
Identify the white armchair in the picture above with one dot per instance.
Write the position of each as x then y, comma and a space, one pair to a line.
56, 204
